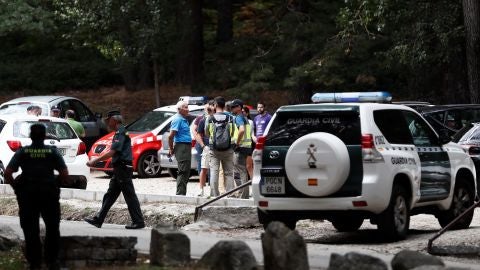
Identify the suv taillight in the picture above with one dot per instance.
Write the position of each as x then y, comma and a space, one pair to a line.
14, 145
369, 152
260, 143
367, 141
82, 149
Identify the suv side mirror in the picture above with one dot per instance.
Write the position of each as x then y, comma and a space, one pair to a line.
444, 137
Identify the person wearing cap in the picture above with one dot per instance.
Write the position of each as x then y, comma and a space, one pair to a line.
121, 154
243, 147
55, 111
180, 145
38, 193
77, 126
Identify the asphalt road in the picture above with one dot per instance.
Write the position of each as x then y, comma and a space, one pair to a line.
201, 242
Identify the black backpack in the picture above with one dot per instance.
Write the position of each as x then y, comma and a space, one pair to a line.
222, 138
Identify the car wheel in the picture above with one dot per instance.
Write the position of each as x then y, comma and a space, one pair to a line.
148, 165
173, 173
2, 174
394, 222
351, 224
463, 198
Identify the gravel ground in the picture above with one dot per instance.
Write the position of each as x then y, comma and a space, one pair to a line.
165, 185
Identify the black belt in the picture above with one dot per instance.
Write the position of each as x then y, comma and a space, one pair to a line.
183, 143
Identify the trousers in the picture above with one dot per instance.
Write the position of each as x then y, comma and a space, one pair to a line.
121, 182
35, 201
183, 155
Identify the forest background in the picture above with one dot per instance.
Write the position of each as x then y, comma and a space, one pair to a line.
279, 50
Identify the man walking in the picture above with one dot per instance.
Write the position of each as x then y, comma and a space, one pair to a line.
121, 154
38, 193
243, 146
219, 128
261, 121
180, 135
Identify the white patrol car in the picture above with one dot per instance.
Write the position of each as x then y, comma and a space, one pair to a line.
346, 162
15, 133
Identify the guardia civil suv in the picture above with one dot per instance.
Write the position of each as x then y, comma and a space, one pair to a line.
353, 159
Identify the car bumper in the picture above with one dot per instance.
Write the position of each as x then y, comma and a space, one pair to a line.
374, 199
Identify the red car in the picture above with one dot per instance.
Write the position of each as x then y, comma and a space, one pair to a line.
146, 135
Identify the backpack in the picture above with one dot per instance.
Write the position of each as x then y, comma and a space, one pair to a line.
221, 137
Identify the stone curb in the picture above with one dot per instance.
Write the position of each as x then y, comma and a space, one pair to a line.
88, 195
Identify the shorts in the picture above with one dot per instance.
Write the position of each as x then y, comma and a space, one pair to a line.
205, 164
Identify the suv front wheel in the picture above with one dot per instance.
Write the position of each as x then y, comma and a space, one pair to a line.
395, 220
463, 198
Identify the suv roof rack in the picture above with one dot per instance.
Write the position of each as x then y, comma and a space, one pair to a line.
345, 97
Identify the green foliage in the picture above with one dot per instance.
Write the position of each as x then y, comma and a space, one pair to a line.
12, 259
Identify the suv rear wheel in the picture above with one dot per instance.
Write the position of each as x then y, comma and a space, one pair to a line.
394, 222
343, 224
148, 165
266, 219
463, 198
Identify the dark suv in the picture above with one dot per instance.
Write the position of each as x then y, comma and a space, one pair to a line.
450, 118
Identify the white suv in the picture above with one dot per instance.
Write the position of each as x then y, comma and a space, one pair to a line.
346, 162
15, 133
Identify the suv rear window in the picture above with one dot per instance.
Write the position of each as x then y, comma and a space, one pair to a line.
287, 127
55, 130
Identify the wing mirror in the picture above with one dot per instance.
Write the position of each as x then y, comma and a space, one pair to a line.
443, 137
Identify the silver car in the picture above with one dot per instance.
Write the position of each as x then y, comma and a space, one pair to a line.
91, 122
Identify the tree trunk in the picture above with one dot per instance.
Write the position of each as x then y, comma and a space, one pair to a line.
471, 16
225, 21
189, 56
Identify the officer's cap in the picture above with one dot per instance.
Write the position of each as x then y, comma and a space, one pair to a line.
113, 113
55, 108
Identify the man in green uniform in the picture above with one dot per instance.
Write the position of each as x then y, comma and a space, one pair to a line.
38, 193
121, 154
77, 126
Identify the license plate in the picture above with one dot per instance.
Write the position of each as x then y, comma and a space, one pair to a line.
62, 151
273, 185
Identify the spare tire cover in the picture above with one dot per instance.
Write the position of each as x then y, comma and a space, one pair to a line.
317, 164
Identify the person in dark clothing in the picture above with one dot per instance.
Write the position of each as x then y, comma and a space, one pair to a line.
121, 154
38, 193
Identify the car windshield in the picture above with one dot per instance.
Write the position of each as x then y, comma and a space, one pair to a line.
21, 108
55, 130
149, 121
